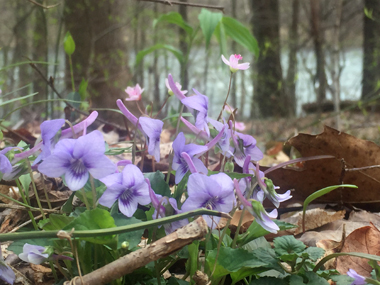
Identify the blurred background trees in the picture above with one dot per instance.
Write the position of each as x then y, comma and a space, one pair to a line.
301, 53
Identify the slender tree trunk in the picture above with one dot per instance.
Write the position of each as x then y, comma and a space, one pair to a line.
156, 93
317, 34
183, 46
292, 69
269, 90
371, 50
40, 53
233, 49
335, 62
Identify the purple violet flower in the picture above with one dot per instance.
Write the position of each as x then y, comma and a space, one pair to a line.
129, 187
6, 273
215, 192
179, 86
173, 87
163, 209
199, 106
76, 158
179, 163
151, 129
5, 164
244, 145
49, 129
33, 254
224, 143
257, 210
358, 279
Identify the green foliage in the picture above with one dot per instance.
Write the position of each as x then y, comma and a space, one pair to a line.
208, 22
158, 183
176, 19
133, 238
176, 52
239, 33
69, 44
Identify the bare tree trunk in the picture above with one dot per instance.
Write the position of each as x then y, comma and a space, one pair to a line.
109, 72
292, 69
233, 48
138, 76
317, 35
269, 90
40, 53
335, 62
183, 46
371, 50
156, 93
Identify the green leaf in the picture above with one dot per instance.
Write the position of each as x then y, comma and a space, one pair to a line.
75, 96
176, 19
133, 238
234, 259
192, 262
176, 116
268, 256
287, 245
239, 33
176, 52
268, 281
55, 222
69, 44
17, 246
320, 193
208, 21
158, 183
256, 243
68, 206
25, 182
314, 253
17, 99
175, 281
342, 279
95, 219
255, 231
220, 35
83, 89
314, 279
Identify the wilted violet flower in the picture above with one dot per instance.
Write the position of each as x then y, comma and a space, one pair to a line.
179, 163
257, 210
234, 63
151, 128
358, 279
6, 273
179, 86
129, 187
76, 158
240, 126
215, 192
134, 93
164, 209
33, 254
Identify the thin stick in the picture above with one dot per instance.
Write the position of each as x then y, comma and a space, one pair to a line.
170, 3
32, 209
362, 168
42, 6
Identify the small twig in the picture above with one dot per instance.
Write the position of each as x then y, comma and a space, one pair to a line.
161, 248
42, 6
362, 168
32, 209
170, 3
24, 224
51, 84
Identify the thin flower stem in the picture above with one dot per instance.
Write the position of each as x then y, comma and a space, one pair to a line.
35, 189
225, 101
179, 121
26, 203
45, 191
71, 73
113, 231
85, 199
233, 245
163, 105
94, 194
54, 271
71, 127
138, 107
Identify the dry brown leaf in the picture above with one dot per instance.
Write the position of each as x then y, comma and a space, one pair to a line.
315, 218
318, 174
247, 221
365, 240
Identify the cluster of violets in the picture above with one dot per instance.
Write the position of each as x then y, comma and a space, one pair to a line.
60, 154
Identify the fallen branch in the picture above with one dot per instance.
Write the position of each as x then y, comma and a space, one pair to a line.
159, 249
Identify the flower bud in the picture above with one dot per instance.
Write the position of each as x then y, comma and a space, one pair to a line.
125, 245
229, 167
148, 108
